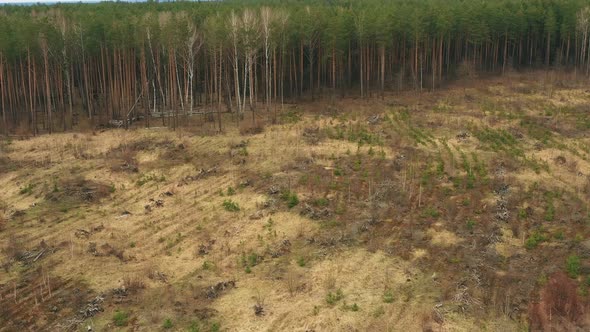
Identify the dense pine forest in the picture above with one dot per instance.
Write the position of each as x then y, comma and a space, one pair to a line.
62, 65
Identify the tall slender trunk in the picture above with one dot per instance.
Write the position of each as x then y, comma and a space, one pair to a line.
145, 87
310, 52
2, 96
23, 88
301, 69
219, 87
349, 71
274, 75
433, 63
333, 72
440, 57
35, 93
251, 85
31, 99
567, 52
267, 77
361, 68
505, 52
237, 81
155, 63
47, 89
179, 88
548, 51
246, 65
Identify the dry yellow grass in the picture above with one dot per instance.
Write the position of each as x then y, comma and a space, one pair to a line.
293, 287
194, 212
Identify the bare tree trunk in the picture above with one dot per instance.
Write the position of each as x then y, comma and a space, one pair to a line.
246, 65
35, 87
433, 62
178, 85
505, 52
145, 87
382, 51
361, 68
44, 50
31, 99
156, 72
237, 85
274, 75
301, 69
310, 52
2, 95
333, 73
567, 52
548, 51
266, 16
86, 84
219, 88
251, 87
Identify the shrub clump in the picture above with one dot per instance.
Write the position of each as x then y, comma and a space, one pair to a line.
249, 261
291, 199
231, 206
27, 190
573, 266
120, 318
534, 240
168, 324
333, 297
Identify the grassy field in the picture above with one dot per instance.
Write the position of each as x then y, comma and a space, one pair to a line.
462, 209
